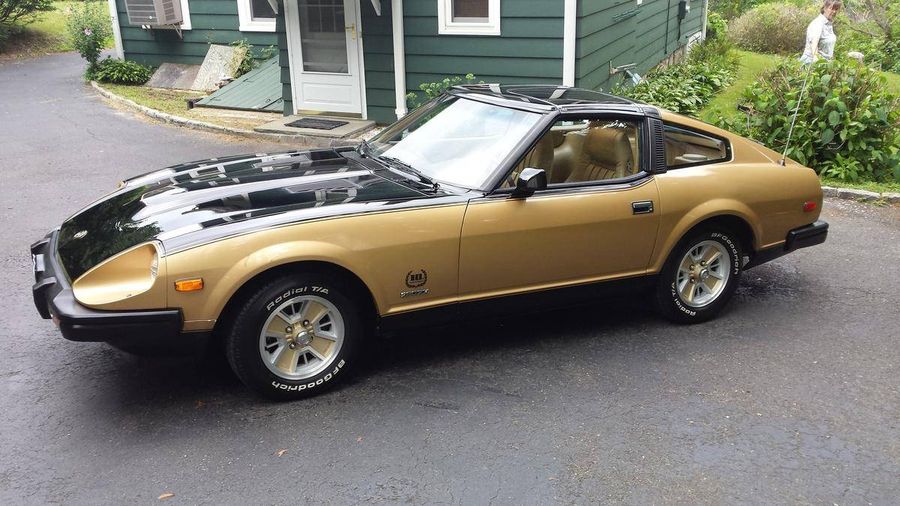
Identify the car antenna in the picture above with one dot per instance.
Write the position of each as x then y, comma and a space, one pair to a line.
794, 119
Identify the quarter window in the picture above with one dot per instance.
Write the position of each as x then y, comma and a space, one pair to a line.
584, 151
469, 17
687, 147
256, 16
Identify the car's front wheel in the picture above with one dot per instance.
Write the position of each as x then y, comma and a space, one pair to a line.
295, 336
700, 276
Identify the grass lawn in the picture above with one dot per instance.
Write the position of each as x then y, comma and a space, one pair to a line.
751, 66
175, 102
725, 103
892, 187
46, 35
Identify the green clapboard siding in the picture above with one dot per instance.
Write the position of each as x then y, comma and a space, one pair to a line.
529, 49
212, 22
622, 32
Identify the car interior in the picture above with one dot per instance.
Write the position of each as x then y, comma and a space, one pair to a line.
596, 150
583, 151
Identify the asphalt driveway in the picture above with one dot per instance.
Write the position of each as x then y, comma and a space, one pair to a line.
791, 396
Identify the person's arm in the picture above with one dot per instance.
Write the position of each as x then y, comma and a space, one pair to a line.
816, 28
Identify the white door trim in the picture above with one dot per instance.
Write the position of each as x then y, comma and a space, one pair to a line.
569, 33
292, 32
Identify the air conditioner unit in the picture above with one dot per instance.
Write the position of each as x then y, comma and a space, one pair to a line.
154, 12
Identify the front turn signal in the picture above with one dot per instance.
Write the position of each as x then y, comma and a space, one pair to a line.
189, 285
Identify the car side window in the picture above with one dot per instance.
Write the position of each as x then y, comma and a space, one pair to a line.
582, 151
687, 147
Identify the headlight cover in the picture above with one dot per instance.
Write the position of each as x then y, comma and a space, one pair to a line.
128, 277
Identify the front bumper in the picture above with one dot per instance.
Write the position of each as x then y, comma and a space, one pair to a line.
54, 299
802, 237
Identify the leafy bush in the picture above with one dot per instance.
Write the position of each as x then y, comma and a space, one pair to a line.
686, 87
432, 90
878, 52
730, 9
89, 27
772, 28
252, 56
122, 72
716, 26
22, 11
848, 125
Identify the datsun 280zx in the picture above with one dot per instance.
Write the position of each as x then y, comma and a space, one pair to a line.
487, 199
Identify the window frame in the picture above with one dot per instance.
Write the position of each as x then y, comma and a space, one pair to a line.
446, 25
644, 150
729, 154
246, 21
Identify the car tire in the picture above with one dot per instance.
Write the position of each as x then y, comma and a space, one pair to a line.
700, 276
295, 336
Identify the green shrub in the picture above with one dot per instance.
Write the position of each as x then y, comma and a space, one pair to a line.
89, 27
772, 28
848, 125
878, 52
21, 11
252, 56
716, 26
122, 72
432, 90
686, 87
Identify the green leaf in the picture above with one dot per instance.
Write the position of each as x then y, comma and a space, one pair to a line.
827, 136
834, 118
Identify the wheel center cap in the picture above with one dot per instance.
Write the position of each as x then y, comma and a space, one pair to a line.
303, 338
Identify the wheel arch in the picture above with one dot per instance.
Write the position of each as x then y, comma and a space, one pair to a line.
360, 290
736, 221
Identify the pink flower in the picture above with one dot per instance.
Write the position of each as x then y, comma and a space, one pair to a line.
88, 32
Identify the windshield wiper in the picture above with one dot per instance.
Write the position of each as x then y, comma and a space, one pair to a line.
405, 167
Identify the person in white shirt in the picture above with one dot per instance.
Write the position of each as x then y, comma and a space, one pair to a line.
820, 37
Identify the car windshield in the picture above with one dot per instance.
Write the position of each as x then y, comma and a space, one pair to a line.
455, 140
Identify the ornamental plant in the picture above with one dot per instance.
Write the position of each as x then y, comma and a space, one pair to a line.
848, 124
433, 90
772, 28
686, 87
111, 70
89, 26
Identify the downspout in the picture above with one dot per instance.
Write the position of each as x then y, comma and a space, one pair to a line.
569, 36
668, 16
399, 58
117, 31
705, 14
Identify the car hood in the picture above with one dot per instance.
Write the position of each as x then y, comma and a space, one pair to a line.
194, 203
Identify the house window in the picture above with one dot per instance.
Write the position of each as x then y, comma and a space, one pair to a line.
469, 17
256, 16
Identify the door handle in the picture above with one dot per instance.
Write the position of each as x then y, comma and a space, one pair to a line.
642, 207
351, 29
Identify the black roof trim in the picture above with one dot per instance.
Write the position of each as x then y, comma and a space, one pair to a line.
545, 98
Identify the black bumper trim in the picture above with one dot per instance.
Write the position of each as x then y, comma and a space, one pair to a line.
802, 237
54, 299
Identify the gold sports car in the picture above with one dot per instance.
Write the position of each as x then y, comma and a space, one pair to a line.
486, 199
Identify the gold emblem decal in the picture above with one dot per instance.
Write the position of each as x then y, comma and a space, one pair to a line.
415, 279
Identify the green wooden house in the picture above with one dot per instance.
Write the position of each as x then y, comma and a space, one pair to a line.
361, 57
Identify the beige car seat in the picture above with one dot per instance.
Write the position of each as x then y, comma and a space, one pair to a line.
539, 157
606, 154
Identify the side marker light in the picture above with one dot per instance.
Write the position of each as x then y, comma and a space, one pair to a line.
189, 285
809, 207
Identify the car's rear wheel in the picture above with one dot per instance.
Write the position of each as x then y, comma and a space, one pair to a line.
700, 276
295, 337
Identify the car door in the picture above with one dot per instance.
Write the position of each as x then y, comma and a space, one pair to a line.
595, 221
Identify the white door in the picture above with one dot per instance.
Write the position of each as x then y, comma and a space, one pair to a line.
324, 49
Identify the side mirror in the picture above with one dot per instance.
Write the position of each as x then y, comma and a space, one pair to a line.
529, 181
